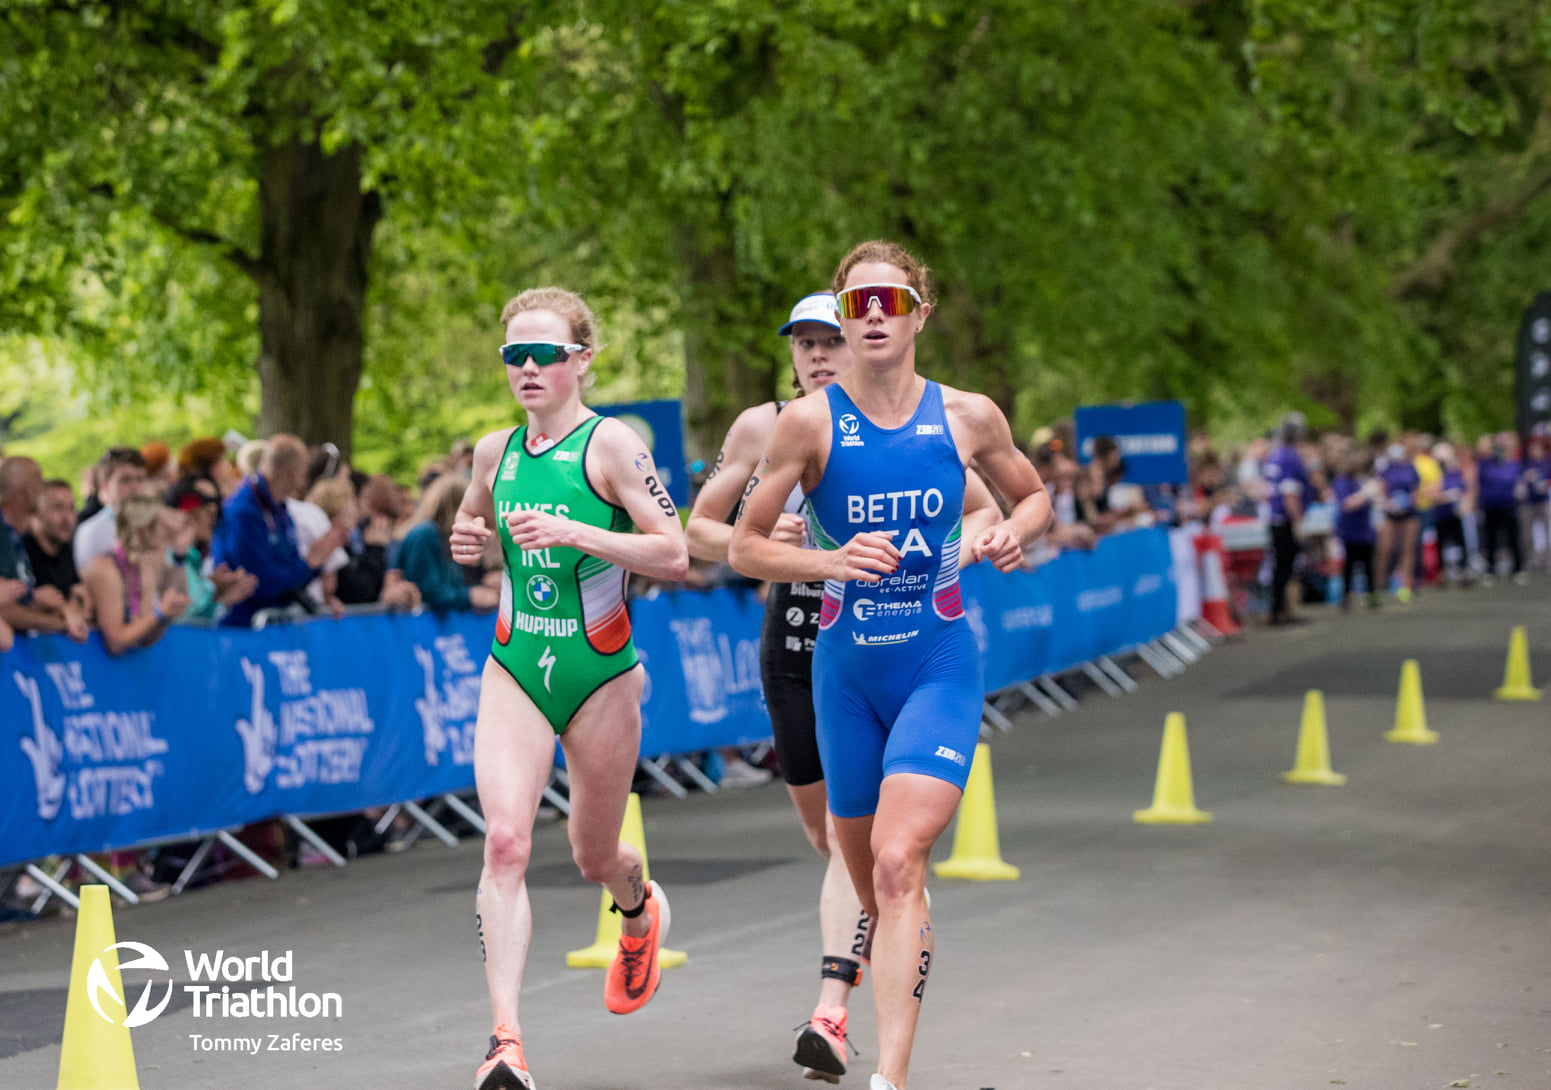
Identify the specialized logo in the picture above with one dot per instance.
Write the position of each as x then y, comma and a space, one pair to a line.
97, 982
543, 592
546, 662
509, 466
849, 427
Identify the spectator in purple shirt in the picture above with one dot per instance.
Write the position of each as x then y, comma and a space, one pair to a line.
1500, 486
1289, 495
1535, 512
1355, 490
1399, 530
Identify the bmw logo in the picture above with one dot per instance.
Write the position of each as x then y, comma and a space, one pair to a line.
542, 592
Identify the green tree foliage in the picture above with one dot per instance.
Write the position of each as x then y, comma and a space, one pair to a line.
1248, 204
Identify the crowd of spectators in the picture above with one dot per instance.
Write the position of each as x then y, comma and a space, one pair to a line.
1327, 517
233, 532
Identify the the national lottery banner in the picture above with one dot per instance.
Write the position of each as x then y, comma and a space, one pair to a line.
210, 729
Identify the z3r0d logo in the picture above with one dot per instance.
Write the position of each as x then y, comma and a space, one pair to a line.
98, 981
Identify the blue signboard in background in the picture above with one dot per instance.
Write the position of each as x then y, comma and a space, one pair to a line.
661, 424
1151, 437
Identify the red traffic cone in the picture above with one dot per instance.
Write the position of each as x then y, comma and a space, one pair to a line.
1215, 610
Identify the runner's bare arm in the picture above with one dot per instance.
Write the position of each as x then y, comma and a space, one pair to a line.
757, 553
1004, 466
624, 473
707, 531
476, 514
981, 512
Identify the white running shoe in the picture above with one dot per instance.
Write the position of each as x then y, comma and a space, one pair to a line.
880, 1083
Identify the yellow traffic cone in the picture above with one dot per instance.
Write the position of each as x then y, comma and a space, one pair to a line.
977, 850
1173, 798
601, 953
96, 1053
1313, 763
1516, 683
1410, 715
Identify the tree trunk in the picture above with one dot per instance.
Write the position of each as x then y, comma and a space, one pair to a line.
316, 242
723, 375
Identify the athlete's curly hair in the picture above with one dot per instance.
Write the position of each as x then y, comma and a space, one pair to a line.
570, 306
881, 251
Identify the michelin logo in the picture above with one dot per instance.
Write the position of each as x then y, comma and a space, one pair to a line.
891, 637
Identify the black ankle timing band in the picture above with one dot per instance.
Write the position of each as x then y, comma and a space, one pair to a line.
629, 913
842, 969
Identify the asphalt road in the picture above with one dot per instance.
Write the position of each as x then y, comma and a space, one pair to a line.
1394, 933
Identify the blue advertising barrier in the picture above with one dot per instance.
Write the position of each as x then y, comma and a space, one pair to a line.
210, 729
661, 425
1072, 609
1151, 438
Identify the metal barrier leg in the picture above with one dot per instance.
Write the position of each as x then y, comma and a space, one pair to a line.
195, 861
51, 883
654, 769
90, 865
1056, 693
387, 819
1113, 669
1193, 638
1101, 679
247, 854
430, 824
301, 829
1212, 632
465, 811
1160, 664
1039, 699
990, 714
697, 777
1178, 646
1163, 652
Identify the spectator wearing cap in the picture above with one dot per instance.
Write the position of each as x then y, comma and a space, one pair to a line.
122, 476
26, 606
50, 542
1289, 494
258, 536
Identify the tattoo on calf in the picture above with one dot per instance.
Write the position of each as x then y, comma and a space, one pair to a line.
479, 929
923, 969
637, 886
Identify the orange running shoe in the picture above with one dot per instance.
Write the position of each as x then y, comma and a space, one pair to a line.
632, 978
821, 1044
504, 1067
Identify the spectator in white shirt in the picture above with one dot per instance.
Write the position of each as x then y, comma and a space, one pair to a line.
122, 475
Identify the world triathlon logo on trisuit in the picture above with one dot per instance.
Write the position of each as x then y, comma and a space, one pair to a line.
849, 426
543, 592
